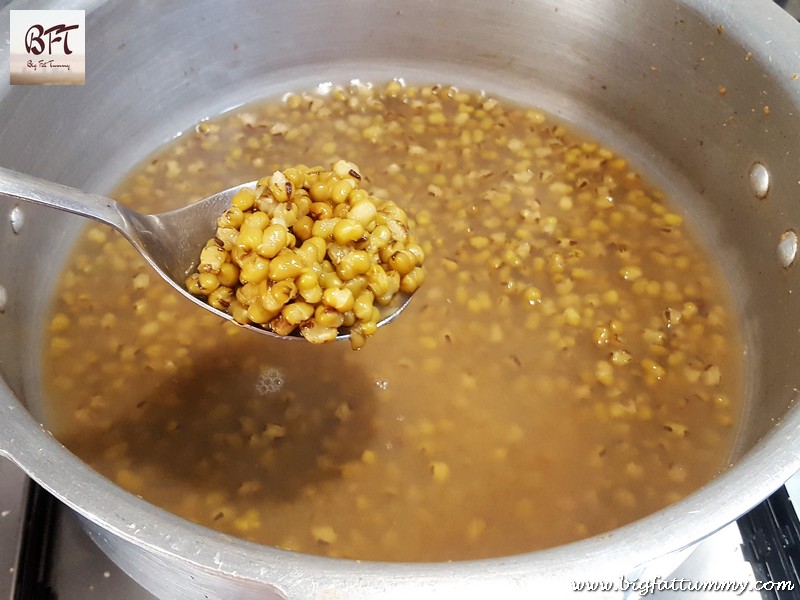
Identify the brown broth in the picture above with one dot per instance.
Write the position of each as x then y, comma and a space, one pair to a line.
572, 362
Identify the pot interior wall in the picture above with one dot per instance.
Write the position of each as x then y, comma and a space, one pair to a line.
645, 78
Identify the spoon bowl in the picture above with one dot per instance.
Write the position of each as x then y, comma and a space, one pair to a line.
170, 242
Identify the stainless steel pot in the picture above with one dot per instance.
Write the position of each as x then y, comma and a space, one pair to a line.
643, 76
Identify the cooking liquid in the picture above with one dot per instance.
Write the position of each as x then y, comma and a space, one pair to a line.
571, 364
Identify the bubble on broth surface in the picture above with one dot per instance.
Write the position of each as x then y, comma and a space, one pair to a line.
269, 381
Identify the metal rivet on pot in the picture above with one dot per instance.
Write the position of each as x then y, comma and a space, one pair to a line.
759, 180
787, 249
3, 299
17, 219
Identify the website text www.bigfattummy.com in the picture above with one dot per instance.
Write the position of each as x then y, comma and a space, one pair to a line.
645, 587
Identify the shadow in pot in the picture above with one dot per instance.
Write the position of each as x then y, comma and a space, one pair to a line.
245, 424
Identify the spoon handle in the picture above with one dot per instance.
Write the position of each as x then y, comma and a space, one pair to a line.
23, 187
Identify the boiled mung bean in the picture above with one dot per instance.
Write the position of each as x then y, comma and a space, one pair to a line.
576, 368
352, 244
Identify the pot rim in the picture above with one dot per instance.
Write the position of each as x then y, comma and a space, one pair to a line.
34, 449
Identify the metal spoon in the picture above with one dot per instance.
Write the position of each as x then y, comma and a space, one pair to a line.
170, 242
